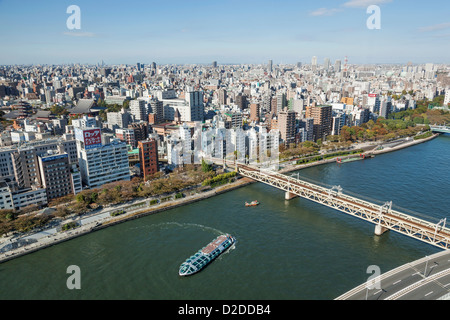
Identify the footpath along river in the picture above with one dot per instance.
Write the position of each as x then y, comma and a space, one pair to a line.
286, 249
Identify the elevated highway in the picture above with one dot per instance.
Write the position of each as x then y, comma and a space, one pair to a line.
425, 279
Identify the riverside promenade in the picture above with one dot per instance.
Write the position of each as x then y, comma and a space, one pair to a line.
24, 244
29, 243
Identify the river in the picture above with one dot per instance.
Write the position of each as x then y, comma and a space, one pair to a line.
285, 250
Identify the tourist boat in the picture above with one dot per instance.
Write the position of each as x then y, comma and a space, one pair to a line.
251, 204
203, 257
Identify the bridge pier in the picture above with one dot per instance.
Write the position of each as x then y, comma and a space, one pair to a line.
289, 195
379, 229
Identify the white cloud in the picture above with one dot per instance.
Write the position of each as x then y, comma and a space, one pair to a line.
80, 34
348, 4
364, 3
324, 12
435, 27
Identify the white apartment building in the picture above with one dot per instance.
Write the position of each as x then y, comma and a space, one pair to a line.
119, 119
105, 164
24, 198
138, 110
101, 163
237, 143
447, 97
179, 150
6, 198
269, 143
190, 109
85, 122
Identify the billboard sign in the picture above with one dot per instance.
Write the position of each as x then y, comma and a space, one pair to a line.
92, 138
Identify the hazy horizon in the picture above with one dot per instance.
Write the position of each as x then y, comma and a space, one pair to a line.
229, 32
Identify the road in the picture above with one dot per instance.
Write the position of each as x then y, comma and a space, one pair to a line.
425, 279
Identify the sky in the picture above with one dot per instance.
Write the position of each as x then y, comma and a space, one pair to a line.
226, 31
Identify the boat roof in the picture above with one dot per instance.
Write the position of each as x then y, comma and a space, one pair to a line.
213, 245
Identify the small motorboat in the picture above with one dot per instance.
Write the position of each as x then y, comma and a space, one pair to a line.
252, 204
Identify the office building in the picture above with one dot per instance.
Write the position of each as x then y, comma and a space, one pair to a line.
148, 157
254, 112
127, 136
26, 169
119, 119
101, 164
447, 97
55, 172
286, 126
307, 125
337, 66
138, 110
323, 120
222, 96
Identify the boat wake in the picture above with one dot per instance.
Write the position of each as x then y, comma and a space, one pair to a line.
169, 225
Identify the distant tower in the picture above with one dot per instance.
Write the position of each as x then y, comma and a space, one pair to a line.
314, 63
346, 66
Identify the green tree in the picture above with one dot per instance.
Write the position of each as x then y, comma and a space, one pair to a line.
205, 166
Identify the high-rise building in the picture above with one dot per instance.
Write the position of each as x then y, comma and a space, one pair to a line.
101, 164
56, 175
26, 169
141, 130
241, 101
447, 97
270, 65
286, 126
385, 107
196, 109
307, 125
281, 102
85, 122
254, 112
138, 110
148, 157
298, 106
337, 65
222, 93
323, 120
373, 102
273, 105
119, 119
339, 120
105, 71
326, 64
127, 136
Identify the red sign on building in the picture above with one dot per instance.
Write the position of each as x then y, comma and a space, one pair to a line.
92, 138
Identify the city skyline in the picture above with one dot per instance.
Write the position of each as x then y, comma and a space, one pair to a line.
227, 32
